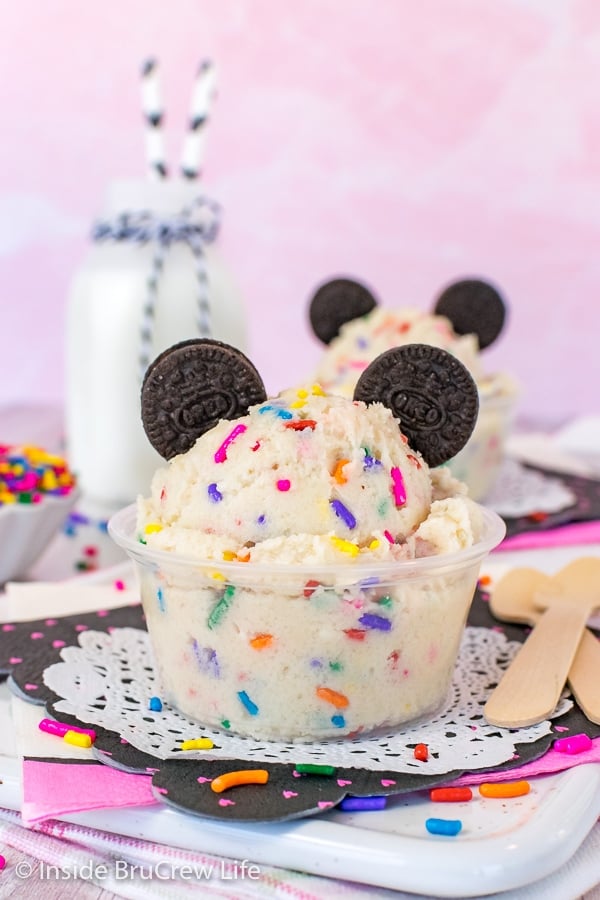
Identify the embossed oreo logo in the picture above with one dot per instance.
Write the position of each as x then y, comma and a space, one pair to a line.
421, 411
205, 407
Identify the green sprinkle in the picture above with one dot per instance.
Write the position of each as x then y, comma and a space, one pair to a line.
311, 769
386, 600
25, 497
336, 665
221, 607
142, 540
383, 507
226, 724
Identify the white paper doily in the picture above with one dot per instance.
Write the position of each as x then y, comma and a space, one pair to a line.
108, 680
519, 491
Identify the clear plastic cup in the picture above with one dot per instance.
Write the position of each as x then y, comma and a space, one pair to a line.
299, 653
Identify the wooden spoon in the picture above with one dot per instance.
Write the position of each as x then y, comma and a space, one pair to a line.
513, 601
532, 685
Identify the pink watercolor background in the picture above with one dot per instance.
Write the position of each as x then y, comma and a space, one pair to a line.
405, 143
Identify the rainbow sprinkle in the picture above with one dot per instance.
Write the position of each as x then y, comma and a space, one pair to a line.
214, 493
221, 453
247, 702
221, 607
343, 513
29, 473
398, 488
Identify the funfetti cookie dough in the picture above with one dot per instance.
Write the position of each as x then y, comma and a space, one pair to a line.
304, 573
465, 319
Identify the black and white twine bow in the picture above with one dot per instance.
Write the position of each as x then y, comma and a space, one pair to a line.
197, 225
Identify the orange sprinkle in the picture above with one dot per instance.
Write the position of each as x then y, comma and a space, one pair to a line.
485, 580
261, 641
233, 779
245, 558
340, 701
421, 752
505, 789
337, 472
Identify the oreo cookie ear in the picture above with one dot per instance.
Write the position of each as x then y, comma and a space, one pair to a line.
473, 307
432, 394
336, 302
192, 386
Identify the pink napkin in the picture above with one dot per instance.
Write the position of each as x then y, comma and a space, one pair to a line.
52, 789
563, 536
550, 762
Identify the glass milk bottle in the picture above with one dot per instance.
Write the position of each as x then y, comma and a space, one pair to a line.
133, 297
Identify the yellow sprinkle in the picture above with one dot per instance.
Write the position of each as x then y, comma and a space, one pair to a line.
5, 497
152, 528
218, 576
77, 739
229, 555
317, 390
297, 404
49, 480
302, 393
345, 546
374, 544
197, 744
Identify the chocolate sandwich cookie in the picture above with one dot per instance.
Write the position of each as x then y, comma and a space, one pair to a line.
473, 307
430, 392
337, 302
192, 386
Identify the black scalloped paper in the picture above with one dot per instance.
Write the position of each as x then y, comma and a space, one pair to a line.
585, 509
28, 648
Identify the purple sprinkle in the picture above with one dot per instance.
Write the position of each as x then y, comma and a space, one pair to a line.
362, 343
343, 513
369, 462
261, 520
79, 518
368, 582
316, 664
214, 493
380, 623
207, 660
352, 804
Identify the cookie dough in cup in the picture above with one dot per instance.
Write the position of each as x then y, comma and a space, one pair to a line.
305, 573
467, 317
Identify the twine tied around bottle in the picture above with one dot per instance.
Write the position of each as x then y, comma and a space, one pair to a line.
197, 225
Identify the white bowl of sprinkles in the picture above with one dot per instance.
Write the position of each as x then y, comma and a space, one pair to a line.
37, 491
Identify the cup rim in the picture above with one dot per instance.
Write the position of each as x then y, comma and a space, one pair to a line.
121, 528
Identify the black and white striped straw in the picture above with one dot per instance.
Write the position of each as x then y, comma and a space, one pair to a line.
153, 118
203, 94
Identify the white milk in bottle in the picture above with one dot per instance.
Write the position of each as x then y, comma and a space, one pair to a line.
153, 279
